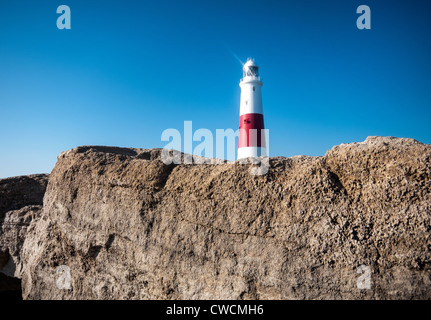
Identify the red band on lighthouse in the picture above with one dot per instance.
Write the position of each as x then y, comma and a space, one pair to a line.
251, 132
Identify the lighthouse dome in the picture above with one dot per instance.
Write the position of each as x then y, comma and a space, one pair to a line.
250, 68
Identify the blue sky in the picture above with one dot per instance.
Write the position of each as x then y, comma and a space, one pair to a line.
127, 70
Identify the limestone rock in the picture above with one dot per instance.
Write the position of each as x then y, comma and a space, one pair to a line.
21, 201
117, 223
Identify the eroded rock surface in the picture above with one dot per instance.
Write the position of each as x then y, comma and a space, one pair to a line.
21, 200
120, 224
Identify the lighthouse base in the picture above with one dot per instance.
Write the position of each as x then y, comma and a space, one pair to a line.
246, 152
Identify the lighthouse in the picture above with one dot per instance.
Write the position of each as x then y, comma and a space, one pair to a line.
251, 142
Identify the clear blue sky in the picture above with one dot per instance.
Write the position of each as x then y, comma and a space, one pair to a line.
127, 70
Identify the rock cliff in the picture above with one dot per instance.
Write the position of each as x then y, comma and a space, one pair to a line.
118, 223
21, 201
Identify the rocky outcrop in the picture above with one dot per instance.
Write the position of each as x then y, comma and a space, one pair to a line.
118, 223
21, 200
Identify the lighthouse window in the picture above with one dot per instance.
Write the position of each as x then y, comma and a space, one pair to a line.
253, 71
246, 102
254, 88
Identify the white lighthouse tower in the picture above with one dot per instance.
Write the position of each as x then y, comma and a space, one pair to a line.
251, 142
